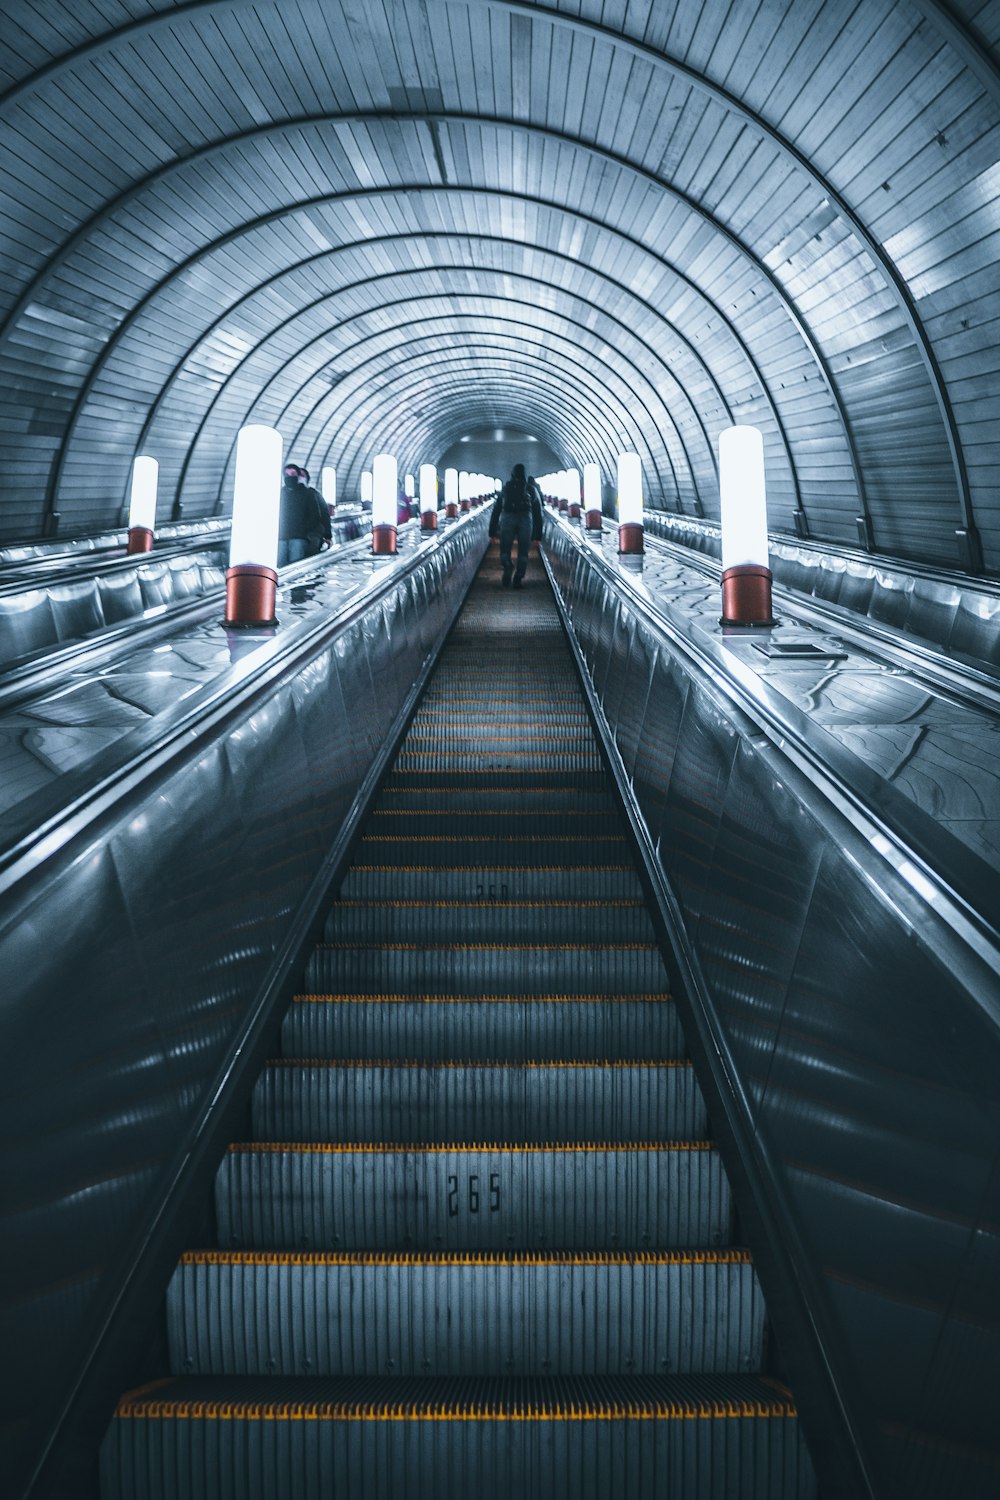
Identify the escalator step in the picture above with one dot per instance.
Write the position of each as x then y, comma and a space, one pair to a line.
658, 1195
487, 969
583, 1438
443, 921
259, 1314
531, 1102
499, 882
584, 782
483, 821
457, 849
519, 799
438, 1028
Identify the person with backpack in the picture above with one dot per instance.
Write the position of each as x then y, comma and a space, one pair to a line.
296, 518
320, 533
516, 516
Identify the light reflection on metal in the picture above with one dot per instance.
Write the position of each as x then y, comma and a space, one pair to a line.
251, 578
746, 576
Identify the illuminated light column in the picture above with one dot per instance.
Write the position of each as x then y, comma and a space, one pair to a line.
746, 577
366, 487
573, 493
630, 538
464, 502
328, 486
592, 496
385, 500
428, 497
142, 505
252, 575
450, 493
563, 491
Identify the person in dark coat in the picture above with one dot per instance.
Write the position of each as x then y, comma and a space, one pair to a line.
296, 517
320, 532
516, 516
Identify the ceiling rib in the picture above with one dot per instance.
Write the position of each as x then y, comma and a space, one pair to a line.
535, 11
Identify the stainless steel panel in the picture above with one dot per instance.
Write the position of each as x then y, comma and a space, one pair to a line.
434, 1315
133, 951
862, 1033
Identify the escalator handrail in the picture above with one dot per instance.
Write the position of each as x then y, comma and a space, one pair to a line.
153, 749
960, 885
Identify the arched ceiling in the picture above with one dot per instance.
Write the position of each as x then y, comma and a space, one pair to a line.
611, 223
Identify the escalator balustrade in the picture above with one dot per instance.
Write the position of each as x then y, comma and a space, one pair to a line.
479, 1243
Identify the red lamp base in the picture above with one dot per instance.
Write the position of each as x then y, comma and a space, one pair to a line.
383, 540
746, 595
140, 539
428, 520
574, 511
630, 538
450, 511
250, 595
593, 520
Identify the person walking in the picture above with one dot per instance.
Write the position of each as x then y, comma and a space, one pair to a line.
320, 533
296, 518
516, 516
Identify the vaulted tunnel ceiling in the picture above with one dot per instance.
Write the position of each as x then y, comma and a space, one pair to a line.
612, 223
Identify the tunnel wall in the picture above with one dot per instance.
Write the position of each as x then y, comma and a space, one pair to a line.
135, 955
858, 1037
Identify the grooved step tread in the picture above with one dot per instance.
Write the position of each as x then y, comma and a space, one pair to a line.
571, 1398
727, 1257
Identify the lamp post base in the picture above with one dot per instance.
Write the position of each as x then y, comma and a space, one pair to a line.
140, 539
383, 540
250, 595
428, 520
450, 511
574, 511
630, 538
593, 520
746, 595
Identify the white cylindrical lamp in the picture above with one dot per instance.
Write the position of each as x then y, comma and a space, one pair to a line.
328, 486
573, 493
450, 493
142, 505
366, 487
630, 529
252, 575
746, 576
592, 496
428, 497
385, 500
464, 502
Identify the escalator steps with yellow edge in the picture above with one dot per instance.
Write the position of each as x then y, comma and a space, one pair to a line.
479, 1243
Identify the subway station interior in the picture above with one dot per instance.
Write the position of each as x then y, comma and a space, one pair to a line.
484, 1021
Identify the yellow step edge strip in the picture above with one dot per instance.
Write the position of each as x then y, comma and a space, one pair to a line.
492, 947
445, 1259
490, 1063
360, 1411
480, 903
383, 1148
657, 999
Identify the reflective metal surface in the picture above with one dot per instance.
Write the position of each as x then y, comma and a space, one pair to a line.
854, 1025
929, 733
135, 935
958, 613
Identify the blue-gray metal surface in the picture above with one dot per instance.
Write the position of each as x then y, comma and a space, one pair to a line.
849, 1010
911, 732
140, 926
957, 612
449, 1439
515, 1313
481, 1213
